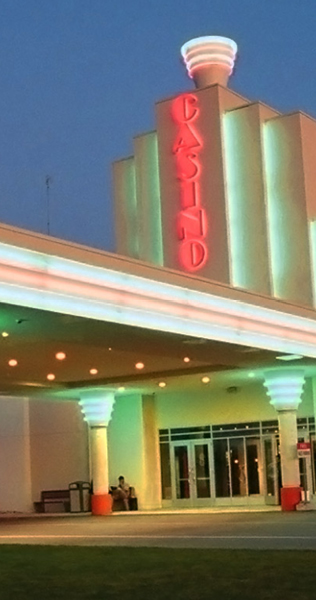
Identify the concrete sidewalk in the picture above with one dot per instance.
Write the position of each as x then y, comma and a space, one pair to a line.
139, 513
253, 530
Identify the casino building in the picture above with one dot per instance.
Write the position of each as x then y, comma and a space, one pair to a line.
186, 360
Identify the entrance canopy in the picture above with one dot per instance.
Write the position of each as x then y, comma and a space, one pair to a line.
109, 315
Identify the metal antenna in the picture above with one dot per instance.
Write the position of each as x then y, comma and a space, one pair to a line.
48, 181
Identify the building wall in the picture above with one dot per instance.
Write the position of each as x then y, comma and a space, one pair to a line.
15, 486
133, 443
59, 445
44, 444
134, 449
213, 407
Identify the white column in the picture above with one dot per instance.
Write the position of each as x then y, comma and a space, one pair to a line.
288, 448
99, 459
97, 406
285, 388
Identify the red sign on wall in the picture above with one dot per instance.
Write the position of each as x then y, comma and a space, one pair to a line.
192, 218
303, 449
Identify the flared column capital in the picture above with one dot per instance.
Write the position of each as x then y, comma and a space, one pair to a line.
97, 406
285, 388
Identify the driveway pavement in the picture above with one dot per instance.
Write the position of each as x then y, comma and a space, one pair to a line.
275, 530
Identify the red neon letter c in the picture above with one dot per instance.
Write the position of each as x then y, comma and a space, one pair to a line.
184, 108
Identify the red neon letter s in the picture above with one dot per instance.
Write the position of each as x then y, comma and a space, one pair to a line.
188, 166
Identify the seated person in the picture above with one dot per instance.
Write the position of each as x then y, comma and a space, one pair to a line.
122, 492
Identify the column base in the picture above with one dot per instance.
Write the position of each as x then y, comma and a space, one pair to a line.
101, 504
290, 497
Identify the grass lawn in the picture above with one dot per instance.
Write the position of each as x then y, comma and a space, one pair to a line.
64, 572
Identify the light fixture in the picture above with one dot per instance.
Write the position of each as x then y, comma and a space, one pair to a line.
205, 380
4, 334
289, 357
251, 374
139, 365
109, 349
13, 362
162, 384
186, 359
93, 371
50, 376
121, 388
60, 355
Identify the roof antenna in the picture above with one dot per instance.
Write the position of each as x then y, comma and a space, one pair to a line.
48, 181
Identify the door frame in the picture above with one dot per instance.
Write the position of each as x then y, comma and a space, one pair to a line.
193, 501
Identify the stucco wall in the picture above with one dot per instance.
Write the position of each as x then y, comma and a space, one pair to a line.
126, 441
15, 488
215, 406
59, 445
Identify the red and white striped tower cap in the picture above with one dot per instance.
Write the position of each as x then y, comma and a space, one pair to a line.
209, 59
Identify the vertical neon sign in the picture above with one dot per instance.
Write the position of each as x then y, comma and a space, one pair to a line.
192, 219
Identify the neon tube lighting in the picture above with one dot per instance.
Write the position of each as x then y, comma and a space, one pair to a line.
206, 40
74, 288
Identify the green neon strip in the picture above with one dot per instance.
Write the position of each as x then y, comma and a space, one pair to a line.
286, 208
272, 167
155, 225
148, 198
131, 213
312, 235
247, 228
234, 161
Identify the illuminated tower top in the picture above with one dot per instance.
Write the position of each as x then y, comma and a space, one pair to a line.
209, 59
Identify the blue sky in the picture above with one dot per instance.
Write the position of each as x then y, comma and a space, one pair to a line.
79, 78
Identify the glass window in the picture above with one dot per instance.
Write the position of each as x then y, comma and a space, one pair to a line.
252, 449
238, 467
202, 471
165, 472
221, 468
182, 472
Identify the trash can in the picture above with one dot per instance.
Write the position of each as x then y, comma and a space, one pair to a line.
79, 492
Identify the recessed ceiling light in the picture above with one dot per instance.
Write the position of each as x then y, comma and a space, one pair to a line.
109, 349
60, 355
289, 357
93, 371
139, 365
50, 376
205, 380
251, 374
4, 334
162, 384
13, 362
121, 389
186, 359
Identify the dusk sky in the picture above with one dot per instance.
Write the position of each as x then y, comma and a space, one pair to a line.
79, 78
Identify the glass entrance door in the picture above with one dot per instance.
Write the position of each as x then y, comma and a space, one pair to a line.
191, 482
229, 470
272, 470
236, 464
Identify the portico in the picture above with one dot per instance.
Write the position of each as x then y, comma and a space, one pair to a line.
170, 347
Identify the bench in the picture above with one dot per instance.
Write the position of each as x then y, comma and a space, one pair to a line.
53, 501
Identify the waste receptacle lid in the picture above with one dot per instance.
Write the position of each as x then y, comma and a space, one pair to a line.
79, 484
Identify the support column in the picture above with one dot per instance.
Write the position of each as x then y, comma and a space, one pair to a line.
285, 389
97, 406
